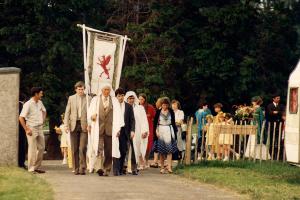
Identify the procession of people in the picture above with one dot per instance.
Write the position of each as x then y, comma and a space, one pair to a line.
116, 131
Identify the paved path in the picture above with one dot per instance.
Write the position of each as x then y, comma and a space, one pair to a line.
149, 184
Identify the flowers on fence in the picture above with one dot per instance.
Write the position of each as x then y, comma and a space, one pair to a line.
243, 112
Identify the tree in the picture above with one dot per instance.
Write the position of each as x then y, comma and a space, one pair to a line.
42, 39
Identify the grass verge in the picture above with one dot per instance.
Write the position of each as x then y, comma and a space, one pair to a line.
259, 181
18, 184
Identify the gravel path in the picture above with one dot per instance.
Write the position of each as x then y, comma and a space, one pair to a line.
149, 184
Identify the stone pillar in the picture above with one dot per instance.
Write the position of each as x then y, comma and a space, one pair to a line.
9, 115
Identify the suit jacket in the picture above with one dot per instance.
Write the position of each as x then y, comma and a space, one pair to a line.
271, 117
71, 113
129, 121
105, 118
156, 121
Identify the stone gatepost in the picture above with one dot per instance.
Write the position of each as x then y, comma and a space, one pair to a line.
9, 115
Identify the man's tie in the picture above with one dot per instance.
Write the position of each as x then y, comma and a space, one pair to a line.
79, 107
105, 103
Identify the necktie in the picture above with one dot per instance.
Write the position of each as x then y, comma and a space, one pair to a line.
105, 103
79, 107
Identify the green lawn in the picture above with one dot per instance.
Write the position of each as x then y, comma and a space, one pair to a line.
265, 181
18, 184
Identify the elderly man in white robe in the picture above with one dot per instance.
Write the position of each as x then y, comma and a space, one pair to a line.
105, 120
140, 140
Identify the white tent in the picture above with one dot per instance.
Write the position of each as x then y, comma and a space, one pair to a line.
292, 129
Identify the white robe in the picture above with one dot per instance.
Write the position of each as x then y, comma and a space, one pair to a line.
141, 126
93, 142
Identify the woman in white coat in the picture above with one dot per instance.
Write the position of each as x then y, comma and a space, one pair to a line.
140, 140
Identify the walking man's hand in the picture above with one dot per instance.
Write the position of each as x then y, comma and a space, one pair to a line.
28, 131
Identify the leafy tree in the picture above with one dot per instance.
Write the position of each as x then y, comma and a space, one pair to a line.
221, 50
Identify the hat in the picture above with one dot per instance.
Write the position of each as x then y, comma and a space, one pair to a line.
129, 94
105, 86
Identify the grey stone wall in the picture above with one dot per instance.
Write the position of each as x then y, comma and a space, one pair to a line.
9, 114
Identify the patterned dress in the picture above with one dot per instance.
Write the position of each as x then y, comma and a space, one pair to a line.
166, 143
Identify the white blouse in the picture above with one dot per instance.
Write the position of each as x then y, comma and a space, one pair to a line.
179, 115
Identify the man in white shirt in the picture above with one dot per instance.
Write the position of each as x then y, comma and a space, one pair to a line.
32, 118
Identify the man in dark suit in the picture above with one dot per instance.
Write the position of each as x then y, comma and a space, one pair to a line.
126, 133
274, 113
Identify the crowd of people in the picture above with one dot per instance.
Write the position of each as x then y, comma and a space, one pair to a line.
113, 131
220, 144
117, 131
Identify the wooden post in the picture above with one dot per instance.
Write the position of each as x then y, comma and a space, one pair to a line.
268, 141
279, 141
273, 142
207, 142
196, 149
189, 142
223, 144
261, 140
249, 143
255, 141
202, 141
234, 140
245, 140
240, 142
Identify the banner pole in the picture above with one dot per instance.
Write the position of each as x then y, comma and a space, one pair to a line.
86, 74
98, 31
121, 58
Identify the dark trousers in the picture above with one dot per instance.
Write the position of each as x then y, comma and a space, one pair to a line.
105, 145
79, 148
116, 166
22, 147
124, 145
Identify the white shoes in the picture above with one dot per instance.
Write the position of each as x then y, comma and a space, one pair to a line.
226, 159
64, 162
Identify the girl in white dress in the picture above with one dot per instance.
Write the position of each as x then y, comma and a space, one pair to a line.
64, 141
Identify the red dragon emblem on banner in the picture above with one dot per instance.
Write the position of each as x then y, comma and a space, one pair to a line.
103, 62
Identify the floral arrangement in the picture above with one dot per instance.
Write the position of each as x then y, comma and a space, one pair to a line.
243, 112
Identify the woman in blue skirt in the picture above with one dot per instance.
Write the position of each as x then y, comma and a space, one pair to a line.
166, 134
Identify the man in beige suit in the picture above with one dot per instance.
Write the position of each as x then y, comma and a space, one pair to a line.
76, 123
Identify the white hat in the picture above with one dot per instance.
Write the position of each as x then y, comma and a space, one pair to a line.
106, 86
129, 94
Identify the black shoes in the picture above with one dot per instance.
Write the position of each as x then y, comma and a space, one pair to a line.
134, 173
76, 173
117, 174
39, 171
100, 172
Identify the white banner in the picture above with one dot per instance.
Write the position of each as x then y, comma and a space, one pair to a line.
104, 60
103, 64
